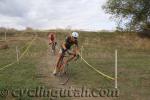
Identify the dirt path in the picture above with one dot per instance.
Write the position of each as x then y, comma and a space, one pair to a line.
45, 69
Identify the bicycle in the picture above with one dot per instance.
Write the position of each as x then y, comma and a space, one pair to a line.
64, 71
53, 47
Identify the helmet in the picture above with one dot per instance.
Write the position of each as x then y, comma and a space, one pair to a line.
75, 34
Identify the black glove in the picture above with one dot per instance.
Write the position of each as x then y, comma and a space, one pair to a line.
64, 50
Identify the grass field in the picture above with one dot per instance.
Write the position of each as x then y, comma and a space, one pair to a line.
98, 50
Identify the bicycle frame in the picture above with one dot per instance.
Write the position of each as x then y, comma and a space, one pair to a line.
53, 47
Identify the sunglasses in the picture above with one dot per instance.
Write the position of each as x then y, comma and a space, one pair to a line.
75, 38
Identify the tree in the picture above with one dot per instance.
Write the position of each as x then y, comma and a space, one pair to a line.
134, 14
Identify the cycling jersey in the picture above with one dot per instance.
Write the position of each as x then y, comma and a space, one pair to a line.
51, 36
69, 42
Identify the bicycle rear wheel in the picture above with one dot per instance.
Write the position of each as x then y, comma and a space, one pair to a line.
64, 78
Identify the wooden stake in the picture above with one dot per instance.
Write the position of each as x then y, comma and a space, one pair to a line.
116, 69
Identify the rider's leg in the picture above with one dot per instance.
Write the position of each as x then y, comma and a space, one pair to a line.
52, 47
68, 60
57, 64
58, 61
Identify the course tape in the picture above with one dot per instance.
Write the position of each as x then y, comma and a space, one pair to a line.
8, 65
26, 50
109, 77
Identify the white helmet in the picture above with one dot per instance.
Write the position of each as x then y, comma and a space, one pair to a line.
75, 34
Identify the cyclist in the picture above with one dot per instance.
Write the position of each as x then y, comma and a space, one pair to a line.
52, 40
65, 47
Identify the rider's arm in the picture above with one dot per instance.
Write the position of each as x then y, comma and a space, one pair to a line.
55, 37
76, 52
63, 46
49, 38
77, 48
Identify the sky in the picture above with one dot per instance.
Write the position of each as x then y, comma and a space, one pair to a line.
52, 14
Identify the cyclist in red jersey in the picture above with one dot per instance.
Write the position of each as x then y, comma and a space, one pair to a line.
52, 37
52, 40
